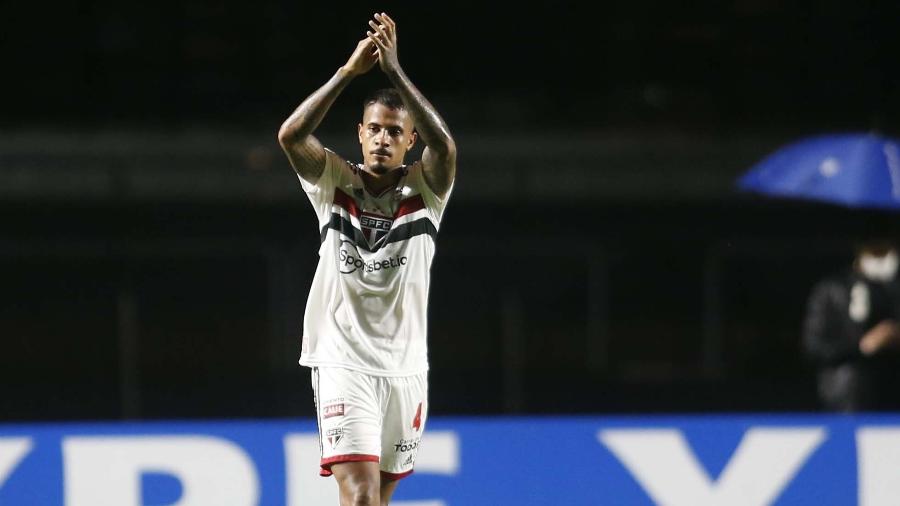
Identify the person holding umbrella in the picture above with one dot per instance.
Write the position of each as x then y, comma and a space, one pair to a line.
851, 330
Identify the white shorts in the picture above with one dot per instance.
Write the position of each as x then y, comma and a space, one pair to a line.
370, 418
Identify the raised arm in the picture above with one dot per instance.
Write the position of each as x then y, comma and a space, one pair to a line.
439, 157
306, 153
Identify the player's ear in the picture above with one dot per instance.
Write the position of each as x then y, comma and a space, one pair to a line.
412, 140
359, 132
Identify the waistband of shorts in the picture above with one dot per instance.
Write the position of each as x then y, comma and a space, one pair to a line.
365, 370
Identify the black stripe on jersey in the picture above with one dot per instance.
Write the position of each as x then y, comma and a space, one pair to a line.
347, 229
411, 229
401, 233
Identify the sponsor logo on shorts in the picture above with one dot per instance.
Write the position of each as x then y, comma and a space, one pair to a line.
335, 435
406, 445
350, 261
333, 410
333, 407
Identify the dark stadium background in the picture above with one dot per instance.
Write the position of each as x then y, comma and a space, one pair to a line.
156, 248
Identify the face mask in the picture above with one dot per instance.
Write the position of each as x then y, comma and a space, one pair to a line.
879, 268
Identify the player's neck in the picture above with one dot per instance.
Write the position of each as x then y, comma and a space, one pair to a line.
377, 184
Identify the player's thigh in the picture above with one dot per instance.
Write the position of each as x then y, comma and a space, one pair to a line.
404, 423
349, 416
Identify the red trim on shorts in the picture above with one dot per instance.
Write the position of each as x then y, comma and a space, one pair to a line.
326, 464
395, 476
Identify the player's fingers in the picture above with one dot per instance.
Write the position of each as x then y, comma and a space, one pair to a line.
364, 47
387, 20
380, 19
379, 28
390, 26
378, 43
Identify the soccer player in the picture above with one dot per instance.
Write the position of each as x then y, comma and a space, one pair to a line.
364, 329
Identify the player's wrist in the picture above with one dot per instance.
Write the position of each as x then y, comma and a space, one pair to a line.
346, 72
393, 70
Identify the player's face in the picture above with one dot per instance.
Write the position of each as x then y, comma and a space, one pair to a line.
385, 135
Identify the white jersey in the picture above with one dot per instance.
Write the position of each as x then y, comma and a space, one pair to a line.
367, 307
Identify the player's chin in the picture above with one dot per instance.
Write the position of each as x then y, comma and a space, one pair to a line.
378, 168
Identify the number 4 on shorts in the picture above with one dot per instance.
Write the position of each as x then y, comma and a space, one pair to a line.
417, 421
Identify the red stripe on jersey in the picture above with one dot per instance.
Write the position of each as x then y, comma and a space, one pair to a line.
409, 206
346, 202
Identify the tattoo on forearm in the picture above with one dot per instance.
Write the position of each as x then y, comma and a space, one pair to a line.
309, 114
429, 123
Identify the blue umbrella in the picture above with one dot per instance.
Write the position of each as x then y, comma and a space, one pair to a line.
854, 170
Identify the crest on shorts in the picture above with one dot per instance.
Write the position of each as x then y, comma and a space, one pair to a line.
417, 421
335, 436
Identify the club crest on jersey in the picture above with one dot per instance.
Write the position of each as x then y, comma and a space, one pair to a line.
374, 227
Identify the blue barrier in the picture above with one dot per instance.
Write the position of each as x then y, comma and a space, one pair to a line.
690, 461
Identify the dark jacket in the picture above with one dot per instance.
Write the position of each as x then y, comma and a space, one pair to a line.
841, 309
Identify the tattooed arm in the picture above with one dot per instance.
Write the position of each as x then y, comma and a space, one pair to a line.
439, 157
